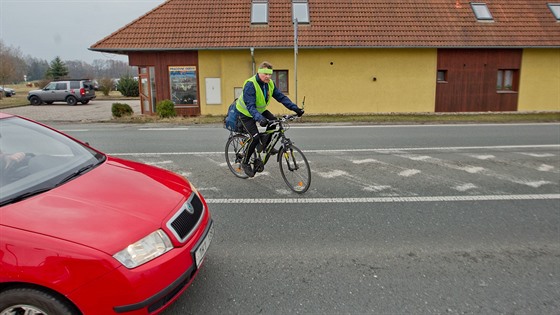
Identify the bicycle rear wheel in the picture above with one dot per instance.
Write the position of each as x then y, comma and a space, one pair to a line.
235, 151
295, 169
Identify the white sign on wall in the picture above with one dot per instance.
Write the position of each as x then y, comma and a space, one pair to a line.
213, 91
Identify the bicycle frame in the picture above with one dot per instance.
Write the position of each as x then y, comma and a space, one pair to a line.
277, 135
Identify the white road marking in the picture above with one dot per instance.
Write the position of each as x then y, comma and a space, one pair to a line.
408, 173
536, 184
475, 170
537, 154
365, 161
332, 126
419, 157
332, 174
377, 188
472, 169
465, 187
482, 157
354, 150
545, 168
385, 199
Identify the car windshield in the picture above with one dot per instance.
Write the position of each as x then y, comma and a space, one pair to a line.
34, 159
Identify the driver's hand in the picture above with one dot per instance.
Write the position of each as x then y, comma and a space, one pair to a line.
14, 158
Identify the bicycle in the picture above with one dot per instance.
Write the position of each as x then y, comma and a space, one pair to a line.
293, 163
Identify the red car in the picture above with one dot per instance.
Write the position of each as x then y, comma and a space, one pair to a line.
82, 232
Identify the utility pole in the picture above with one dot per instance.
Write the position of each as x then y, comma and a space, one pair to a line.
295, 56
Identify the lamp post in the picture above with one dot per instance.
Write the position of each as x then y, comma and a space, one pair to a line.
295, 56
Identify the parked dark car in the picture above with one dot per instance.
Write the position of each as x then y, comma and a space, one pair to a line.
8, 92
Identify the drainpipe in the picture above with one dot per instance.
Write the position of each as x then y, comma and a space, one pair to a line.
295, 56
253, 58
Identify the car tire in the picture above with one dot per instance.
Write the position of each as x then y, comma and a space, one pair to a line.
35, 100
32, 301
71, 100
85, 102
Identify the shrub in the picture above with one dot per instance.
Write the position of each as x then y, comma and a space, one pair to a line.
106, 85
166, 109
120, 110
128, 86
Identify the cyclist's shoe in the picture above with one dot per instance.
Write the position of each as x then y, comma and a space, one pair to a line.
248, 169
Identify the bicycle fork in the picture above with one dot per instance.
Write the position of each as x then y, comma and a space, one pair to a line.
288, 155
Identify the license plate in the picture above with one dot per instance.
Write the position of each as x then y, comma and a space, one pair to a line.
203, 247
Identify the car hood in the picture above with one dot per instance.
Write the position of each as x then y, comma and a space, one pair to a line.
108, 208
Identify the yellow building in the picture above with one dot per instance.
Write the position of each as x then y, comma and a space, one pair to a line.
365, 56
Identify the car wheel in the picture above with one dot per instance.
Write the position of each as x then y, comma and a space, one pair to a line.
85, 102
35, 100
33, 302
71, 100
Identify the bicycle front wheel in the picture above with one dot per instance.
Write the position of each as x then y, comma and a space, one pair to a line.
235, 151
295, 169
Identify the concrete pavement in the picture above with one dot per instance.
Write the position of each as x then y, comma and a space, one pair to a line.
95, 111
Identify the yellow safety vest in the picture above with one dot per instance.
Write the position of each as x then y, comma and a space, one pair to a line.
260, 100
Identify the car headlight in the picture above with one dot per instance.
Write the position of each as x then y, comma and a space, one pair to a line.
146, 249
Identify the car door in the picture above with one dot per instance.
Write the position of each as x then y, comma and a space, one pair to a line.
61, 92
48, 93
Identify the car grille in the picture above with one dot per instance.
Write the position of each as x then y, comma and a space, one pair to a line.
185, 221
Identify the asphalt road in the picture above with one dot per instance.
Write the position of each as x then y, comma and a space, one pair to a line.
446, 219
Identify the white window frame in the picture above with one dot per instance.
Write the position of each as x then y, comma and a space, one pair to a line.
481, 12
259, 12
555, 9
300, 11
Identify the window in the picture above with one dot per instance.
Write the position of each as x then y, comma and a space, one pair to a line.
300, 11
61, 86
507, 80
482, 12
555, 8
280, 78
75, 84
442, 76
259, 12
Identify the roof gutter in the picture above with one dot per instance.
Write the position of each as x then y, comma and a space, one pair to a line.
127, 50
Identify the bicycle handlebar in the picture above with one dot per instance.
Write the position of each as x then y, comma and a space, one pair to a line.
282, 119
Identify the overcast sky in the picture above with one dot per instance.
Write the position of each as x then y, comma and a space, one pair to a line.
45, 29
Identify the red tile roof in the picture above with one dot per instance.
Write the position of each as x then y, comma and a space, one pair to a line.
225, 24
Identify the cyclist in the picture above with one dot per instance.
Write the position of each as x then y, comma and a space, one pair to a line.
252, 103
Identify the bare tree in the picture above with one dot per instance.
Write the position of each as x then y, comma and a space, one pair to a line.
12, 65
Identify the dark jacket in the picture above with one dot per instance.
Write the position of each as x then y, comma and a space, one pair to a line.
249, 97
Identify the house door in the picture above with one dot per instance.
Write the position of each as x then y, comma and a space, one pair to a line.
477, 80
147, 79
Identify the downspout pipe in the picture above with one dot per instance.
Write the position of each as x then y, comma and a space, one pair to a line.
253, 59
